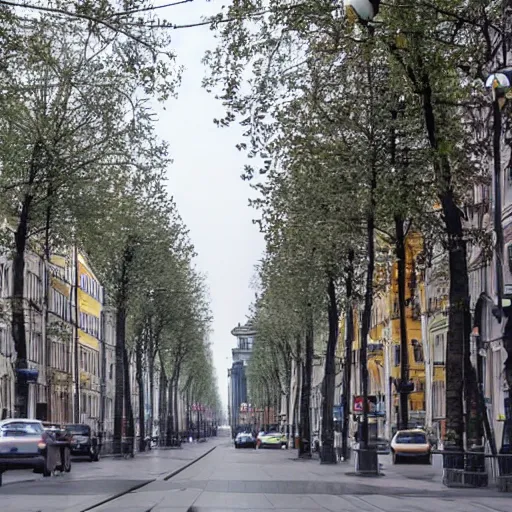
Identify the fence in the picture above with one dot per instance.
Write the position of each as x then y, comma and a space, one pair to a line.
477, 469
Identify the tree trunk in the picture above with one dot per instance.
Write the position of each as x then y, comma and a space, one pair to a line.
162, 408
122, 386
19, 334
170, 412
404, 351
119, 378
367, 312
305, 400
175, 403
328, 455
47, 341
189, 429
151, 374
459, 317
18, 311
140, 384
349, 338
296, 412
130, 424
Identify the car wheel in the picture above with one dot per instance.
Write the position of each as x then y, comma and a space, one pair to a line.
428, 459
66, 462
96, 456
1, 478
396, 459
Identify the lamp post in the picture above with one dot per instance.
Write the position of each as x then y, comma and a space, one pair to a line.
364, 11
500, 85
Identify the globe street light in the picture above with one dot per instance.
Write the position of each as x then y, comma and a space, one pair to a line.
361, 10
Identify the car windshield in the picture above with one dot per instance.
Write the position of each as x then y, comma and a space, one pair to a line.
21, 429
411, 438
78, 430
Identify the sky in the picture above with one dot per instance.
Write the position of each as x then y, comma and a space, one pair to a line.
206, 185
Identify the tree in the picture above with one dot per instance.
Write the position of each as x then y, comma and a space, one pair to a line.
64, 116
339, 77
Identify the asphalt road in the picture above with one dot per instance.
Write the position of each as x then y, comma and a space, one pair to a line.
230, 480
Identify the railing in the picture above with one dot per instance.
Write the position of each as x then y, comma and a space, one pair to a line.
476, 469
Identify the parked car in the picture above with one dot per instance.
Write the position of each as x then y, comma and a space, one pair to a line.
25, 444
245, 440
83, 442
272, 440
411, 444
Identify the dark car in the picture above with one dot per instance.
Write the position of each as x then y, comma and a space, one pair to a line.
83, 442
24, 444
245, 440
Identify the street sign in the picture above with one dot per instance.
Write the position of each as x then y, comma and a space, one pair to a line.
357, 407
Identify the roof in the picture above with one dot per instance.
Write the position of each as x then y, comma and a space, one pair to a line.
18, 420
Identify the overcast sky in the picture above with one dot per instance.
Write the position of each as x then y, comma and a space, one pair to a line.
205, 182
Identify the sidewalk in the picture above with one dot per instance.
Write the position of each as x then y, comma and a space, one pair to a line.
272, 480
90, 483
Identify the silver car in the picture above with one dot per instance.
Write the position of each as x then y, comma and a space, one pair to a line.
24, 444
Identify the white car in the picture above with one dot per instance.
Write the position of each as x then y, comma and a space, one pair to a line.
25, 444
411, 444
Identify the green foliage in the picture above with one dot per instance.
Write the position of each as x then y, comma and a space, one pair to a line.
332, 111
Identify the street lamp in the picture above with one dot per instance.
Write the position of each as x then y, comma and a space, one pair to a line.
500, 84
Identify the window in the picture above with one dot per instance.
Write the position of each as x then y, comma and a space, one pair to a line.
22, 429
111, 371
418, 351
397, 355
59, 304
90, 286
36, 347
438, 400
90, 324
439, 349
411, 438
3, 342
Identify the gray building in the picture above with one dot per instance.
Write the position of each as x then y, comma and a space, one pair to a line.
237, 380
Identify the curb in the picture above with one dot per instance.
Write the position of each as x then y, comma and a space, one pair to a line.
147, 482
186, 466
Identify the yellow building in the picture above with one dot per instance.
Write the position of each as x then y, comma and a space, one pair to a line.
89, 310
416, 356
60, 339
75, 331
384, 338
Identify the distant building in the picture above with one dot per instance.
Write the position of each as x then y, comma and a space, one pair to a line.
237, 380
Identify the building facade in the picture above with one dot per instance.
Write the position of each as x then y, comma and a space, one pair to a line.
237, 380
71, 339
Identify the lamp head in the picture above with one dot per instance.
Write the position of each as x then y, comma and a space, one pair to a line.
361, 10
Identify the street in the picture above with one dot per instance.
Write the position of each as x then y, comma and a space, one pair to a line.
239, 480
